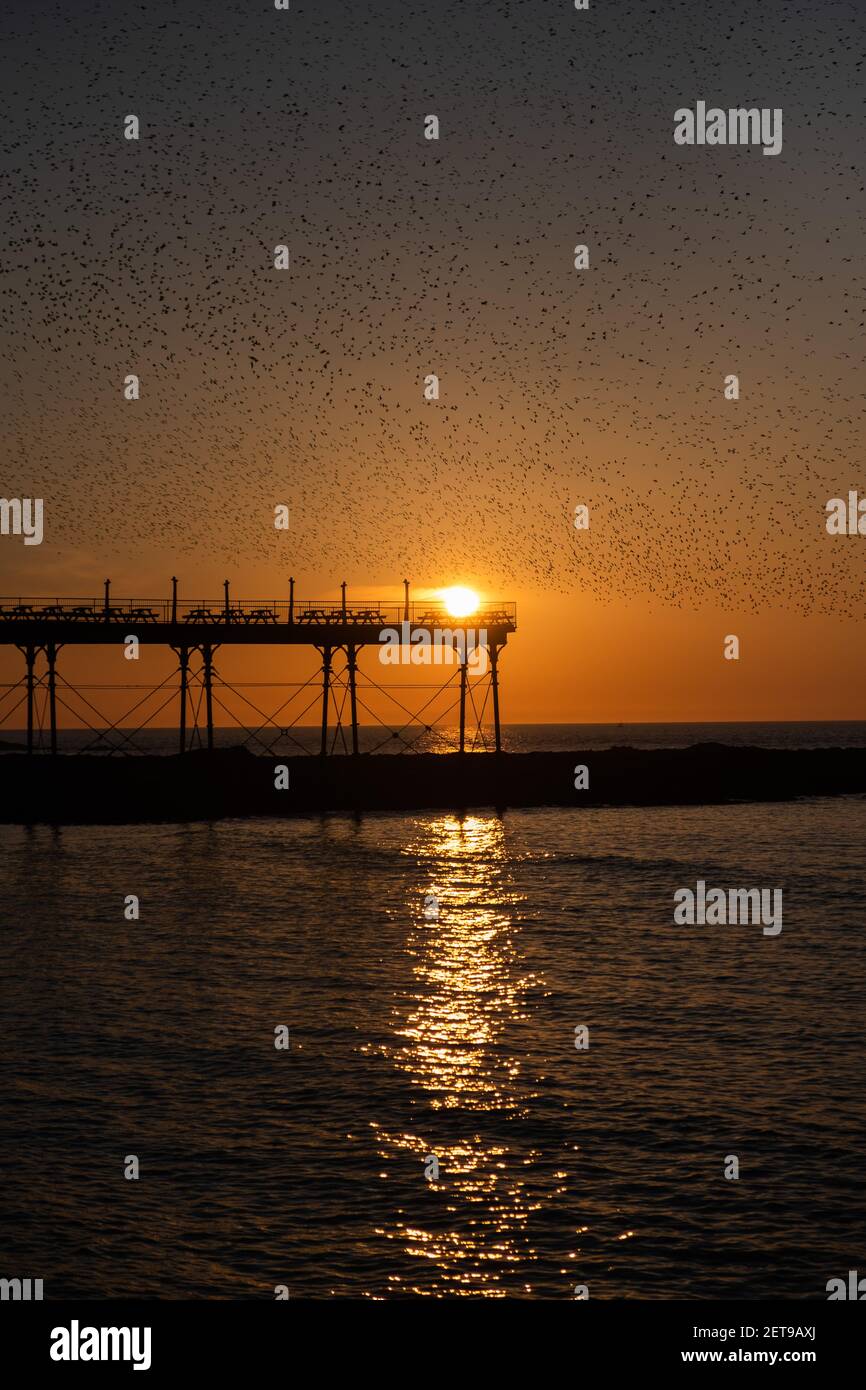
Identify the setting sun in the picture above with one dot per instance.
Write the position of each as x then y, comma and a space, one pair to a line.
460, 602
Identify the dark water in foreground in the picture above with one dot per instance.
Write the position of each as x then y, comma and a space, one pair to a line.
455, 1037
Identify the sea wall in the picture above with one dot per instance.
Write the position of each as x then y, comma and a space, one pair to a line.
233, 782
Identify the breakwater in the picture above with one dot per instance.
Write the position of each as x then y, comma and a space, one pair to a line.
233, 782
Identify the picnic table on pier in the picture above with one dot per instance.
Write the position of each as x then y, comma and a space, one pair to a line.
318, 615
214, 615
261, 615
337, 615
364, 615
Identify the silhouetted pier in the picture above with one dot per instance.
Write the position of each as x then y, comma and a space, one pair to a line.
41, 627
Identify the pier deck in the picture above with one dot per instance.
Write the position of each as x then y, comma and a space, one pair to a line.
248, 622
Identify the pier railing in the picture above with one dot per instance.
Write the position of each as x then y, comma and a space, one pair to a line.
310, 613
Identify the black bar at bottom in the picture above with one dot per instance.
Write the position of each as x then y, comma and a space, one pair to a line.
399, 1337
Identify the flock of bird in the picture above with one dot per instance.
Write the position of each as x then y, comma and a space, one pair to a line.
412, 257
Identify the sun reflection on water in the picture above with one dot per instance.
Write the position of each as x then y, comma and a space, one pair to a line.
456, 1039
467, 970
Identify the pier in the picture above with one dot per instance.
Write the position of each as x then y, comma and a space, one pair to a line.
195, 629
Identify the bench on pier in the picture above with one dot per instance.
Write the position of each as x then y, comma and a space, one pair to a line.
233, 615
214, 615
20, 610
317, 615
336, 615
365, 615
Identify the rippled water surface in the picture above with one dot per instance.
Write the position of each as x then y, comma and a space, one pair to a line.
414, 1036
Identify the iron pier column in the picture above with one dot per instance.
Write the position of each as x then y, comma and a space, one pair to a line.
463, 677
353, 698
494, 685
207, 657
326, 686
30, 658
51, 653
183, 655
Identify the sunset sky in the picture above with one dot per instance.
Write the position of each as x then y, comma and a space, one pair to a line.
305, 387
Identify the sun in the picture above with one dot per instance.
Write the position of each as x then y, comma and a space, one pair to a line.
460, 602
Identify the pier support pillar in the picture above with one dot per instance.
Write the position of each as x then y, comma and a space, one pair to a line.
494, 686
352, 653
51, 655
30, 658
207, 659
326, 689
183, 657
464, 673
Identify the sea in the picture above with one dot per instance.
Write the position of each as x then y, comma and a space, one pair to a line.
437, 1056
414, 738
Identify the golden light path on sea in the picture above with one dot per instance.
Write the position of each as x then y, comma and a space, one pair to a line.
454, 1037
